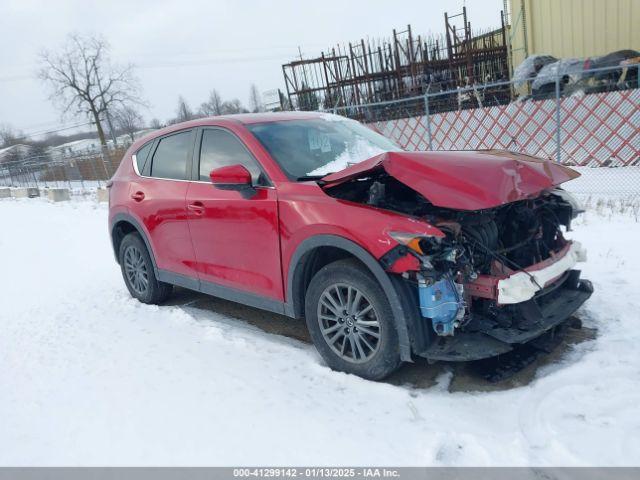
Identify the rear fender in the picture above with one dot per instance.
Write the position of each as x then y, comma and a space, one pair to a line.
119, 217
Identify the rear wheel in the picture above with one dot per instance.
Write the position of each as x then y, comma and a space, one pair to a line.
138, 273
351, 322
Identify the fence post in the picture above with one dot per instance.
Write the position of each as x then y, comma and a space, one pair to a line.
47, 175
43, 173
81, 175
428, 117
558, 149
55, 175
33, 175
67, 175
92, 164
104, 166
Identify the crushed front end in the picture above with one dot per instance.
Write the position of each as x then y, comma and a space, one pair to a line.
498, 278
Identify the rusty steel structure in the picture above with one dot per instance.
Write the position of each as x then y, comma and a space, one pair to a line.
380, 70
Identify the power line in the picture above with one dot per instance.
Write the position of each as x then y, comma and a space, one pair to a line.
212, 61
180, 63
47, 132
46, 125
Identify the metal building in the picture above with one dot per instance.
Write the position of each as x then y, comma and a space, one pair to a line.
573, 28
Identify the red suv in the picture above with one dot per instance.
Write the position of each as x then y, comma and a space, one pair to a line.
386, 254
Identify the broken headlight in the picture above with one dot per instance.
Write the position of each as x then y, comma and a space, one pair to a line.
418, 243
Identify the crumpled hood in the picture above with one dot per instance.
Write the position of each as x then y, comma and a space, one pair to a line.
463, 180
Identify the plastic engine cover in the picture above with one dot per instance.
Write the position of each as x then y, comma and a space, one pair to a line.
441, 303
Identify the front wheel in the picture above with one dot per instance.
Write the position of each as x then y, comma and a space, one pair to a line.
350, 321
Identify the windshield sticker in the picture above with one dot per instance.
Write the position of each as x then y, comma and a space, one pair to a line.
319, 141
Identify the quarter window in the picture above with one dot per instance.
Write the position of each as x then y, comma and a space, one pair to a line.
220, 149
170, 158
141, 156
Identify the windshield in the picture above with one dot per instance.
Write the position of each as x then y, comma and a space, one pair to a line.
319, 146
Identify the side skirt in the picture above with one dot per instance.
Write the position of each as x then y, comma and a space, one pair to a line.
220, 291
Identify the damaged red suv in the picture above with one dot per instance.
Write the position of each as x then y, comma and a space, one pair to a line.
386, 254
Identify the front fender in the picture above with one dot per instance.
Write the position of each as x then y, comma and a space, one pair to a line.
294, 283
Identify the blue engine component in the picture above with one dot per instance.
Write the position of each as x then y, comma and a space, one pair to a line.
442, 303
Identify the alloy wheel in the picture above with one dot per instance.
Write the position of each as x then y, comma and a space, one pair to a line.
135, 268
349, 323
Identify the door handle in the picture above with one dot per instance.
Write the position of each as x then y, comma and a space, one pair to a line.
196, 207
138, 196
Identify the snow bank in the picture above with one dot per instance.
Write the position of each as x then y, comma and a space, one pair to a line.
89, 376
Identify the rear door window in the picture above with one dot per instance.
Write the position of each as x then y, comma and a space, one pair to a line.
171, 157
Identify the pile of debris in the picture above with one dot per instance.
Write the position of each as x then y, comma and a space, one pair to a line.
536, 76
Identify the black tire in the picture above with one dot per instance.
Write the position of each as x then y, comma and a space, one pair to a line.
339, 280
144, 286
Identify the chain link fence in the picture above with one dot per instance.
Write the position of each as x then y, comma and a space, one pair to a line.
78, 171
590, 121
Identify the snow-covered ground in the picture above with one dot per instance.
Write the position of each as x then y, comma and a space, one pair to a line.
89, 376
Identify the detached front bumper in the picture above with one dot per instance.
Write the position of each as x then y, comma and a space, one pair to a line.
486, 337
519, 286
523, 286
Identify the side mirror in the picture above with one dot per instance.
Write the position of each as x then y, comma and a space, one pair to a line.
233, 177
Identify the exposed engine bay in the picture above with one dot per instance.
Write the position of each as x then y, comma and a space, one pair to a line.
484, 274
516, 235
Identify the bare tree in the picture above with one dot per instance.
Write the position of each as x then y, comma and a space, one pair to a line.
184, 112
213, 106
255, 100
9, 136
233, 106
155, 124
39, 153
85, 82
129, 121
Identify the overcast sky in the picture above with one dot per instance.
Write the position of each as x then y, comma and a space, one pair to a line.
189, 47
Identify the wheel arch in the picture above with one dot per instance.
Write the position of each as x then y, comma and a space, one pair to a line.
123, 224
315, 252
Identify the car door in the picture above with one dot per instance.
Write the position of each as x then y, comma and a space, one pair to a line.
158, 199
236, 239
